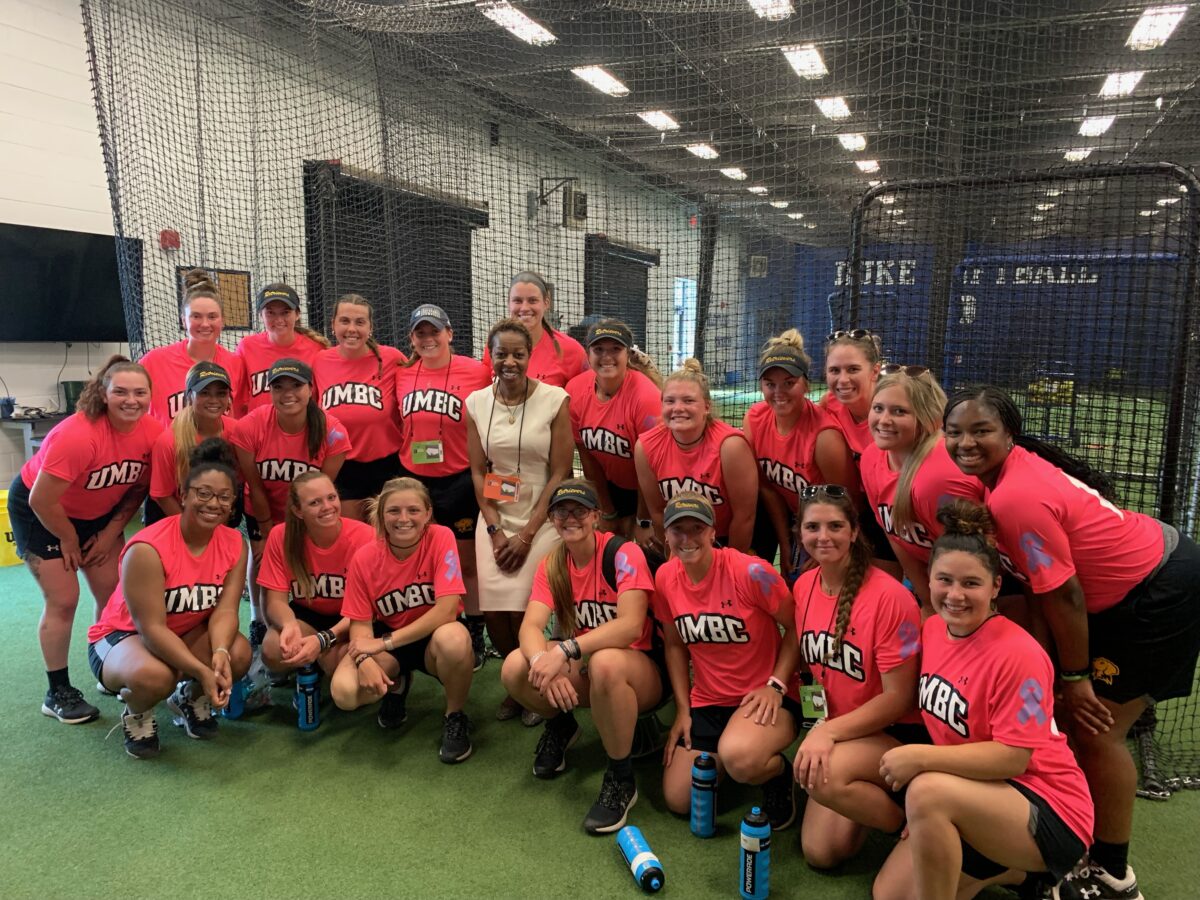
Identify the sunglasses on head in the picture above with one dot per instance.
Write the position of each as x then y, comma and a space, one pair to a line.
910, 371
857, 334
812, 491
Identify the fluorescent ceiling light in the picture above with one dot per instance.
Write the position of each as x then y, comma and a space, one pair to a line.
852, 142
1053, 192
833, 107
894, 212
1045, 206
900, 221
1077, 155
1038, 218
1154, 27
779, 204
874, 183
772, 10
1167, 201
704, 151
796, 216
516, 22
601, 80
810, 224
867, 165
1094, 126
757, 189
887, 199
1149, 212
735, 173
1120, 84
656, 118
806, 60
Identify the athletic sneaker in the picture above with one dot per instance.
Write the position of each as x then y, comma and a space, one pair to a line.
68, 706
456, 738
529, 718
1092, 882
608, 813
258, 632
558, 734
193, 714
141, 733
779, 800
478, 646
393, 711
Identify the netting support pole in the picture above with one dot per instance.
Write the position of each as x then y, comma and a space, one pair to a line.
709, 225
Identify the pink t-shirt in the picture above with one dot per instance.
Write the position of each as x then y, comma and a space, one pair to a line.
1050, 526
432, 408
192, 585
381, 588
258, 354
610, 430
100, 462
279, 456
362, 394
168, 367
936, 483
997, 684
727, 622
595, 601
857, 434
327, 565
545, 364
163, 479
883, 634
788, 462
696, 468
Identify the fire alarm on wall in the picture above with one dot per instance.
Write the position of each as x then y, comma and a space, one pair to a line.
168, 239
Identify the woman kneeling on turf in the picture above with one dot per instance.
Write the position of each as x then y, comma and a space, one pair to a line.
603, 621
999, 792
727, 609
860, 636
174, 616
408, 587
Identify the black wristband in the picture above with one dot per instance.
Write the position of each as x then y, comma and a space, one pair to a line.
1075, 674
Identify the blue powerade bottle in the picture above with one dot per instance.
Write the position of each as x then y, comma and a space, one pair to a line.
308, 692
704, 789
643, 864
237, 701
755, 868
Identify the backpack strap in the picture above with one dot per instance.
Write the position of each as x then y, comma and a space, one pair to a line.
608, 562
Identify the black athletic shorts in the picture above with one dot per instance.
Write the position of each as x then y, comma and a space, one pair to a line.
1061, 847
252, 530
625, 500
708, 723
453, 499
32, 537
98, 651
360, 479
881, 548
411, 657
318, 621
1147, 645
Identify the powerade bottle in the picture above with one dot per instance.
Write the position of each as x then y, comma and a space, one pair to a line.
308, 693
643, 864
755, 869
237, 700
704, 789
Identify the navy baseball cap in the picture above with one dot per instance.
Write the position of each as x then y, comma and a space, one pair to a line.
600, 331
688, 508
428, 312
280, 292
203, 374
574, 493
788, 360
289, 368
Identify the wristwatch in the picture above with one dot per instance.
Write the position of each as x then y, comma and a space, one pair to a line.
492, 529
645, 523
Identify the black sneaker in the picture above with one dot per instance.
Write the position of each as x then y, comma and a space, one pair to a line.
393, 711
779, 800
1092, 882
550, 757
258, 632
456, 738
193, 714
68, 706
478, 646
608, 813
141, 734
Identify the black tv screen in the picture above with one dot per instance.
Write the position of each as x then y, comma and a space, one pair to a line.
61, 285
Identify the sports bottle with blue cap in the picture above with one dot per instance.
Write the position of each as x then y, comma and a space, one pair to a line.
643, 864
704, 789
755, 858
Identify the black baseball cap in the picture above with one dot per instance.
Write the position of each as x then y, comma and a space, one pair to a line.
688, 507
280, 292
428, 312
289, 368
788, 360
600, 331
202, 375
574, 493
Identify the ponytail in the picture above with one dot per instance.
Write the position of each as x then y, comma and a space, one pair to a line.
198, 283
559, 580
316, 424
93, 400
213, 455
969, 528
856, 570
183, 428
314, 336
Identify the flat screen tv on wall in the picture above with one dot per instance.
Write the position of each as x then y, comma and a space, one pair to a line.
61, 285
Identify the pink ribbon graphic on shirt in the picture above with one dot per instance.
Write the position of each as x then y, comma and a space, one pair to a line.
1031, 693
1035, 557
624, 566
763, 578
451, 561
910, 639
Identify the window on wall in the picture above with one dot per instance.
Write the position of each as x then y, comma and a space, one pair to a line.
683, 323
424, 255
616, 282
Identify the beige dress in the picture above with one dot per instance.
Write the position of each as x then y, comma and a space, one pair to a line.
499, 591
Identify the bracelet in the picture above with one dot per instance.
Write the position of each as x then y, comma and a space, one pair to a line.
570, 649
1074, 676
326, 639
610, 517
388, 645
535, 657
360, 659
521, 538
776, 685
224, 650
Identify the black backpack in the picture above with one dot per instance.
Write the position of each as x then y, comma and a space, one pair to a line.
608, 562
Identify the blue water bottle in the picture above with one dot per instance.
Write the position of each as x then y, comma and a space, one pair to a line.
308, 694
704, 790
755, 869
643, 864
237, 700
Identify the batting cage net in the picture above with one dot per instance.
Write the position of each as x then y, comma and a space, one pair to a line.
1001, 191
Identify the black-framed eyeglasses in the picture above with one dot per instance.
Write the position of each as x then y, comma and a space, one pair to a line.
856, 334
563, 512
812, 491
208, 495
897, 369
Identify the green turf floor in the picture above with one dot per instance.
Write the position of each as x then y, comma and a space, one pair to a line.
351, 811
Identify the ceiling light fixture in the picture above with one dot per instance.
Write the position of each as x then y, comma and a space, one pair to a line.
1078, 155
833, 107
1045, 206
772, 10
806, 60
1120, 84
1167, 201
867, 165
1154, 27
894, 212
1038, 218
779, 204
657, 118
602, 80
704, 151
887, 199
1149, 212
796, 216
516, 22
735, 173
757, 189
852, 142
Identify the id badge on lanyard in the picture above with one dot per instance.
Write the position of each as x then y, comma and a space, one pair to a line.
501, 488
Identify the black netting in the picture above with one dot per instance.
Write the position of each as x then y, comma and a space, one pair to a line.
945, 173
